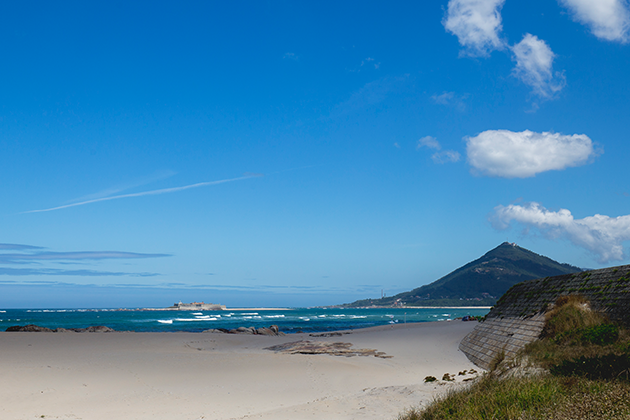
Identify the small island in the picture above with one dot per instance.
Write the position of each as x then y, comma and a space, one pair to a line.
197, 306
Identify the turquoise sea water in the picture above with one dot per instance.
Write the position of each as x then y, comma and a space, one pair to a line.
289, 321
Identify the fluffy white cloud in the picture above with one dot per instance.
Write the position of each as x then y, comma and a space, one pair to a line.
607, 19
534, 66
509, 154
599, 234
477, 25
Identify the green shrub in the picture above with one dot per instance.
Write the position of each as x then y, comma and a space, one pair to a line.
600, 334
609, 366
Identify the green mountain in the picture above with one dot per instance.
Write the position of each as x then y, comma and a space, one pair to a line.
480, 282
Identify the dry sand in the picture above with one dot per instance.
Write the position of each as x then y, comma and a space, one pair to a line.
105, 376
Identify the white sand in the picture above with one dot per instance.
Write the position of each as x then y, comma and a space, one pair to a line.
107, 376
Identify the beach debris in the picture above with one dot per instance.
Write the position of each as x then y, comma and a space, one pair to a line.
37, 328
448, 377
322, 347
430, 379
271, 331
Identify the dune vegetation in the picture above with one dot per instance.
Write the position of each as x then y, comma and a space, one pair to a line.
578, 369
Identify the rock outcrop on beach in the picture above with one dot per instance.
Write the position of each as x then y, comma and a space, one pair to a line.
333, 349
271, 331
37, 328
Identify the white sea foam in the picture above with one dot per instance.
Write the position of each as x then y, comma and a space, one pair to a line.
274, 316
322, 316
197, 313
195, 319
250, 313
4, 312
165, 321
357, 316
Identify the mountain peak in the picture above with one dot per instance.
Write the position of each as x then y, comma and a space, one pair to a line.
481, 281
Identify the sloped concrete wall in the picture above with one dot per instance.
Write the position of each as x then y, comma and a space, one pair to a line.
497, 335
519, 316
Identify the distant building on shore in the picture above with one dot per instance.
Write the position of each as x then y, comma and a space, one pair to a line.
198, 306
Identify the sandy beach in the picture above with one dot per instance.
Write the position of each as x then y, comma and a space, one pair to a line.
104, 376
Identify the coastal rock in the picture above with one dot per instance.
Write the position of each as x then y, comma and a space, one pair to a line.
28, 328
99, 328
333, 349
37, 328
271, 331
62, 330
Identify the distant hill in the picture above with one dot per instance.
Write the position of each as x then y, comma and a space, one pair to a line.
480, 282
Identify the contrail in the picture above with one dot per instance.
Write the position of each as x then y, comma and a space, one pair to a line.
140, 194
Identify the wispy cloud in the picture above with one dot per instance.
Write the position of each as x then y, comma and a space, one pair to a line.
18, 247
440, 156
428, 141
370, 94
450, 99
477, 25
599, 234
144, 193
534, 66
607, 19
446, 156
158, 176
8, 271
28, 254
73, 256
291, 56
509, 154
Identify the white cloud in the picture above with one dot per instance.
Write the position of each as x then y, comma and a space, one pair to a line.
477, 25
446, 156
534, 66
607, 19
152, 192
429, 142
451, 99
509, 154
440, 156
599, 234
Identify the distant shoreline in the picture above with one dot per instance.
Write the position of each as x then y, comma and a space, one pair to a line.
411, 307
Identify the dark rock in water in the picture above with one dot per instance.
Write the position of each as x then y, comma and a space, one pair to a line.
37, 328
265, 331
28, 328
100, 328
271, 331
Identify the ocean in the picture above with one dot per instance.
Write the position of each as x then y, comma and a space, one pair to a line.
289, 320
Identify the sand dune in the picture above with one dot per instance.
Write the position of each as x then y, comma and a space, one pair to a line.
219, 376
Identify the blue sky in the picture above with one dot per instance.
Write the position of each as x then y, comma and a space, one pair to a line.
303, 153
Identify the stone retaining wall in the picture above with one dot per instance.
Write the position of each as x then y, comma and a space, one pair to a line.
518, 317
